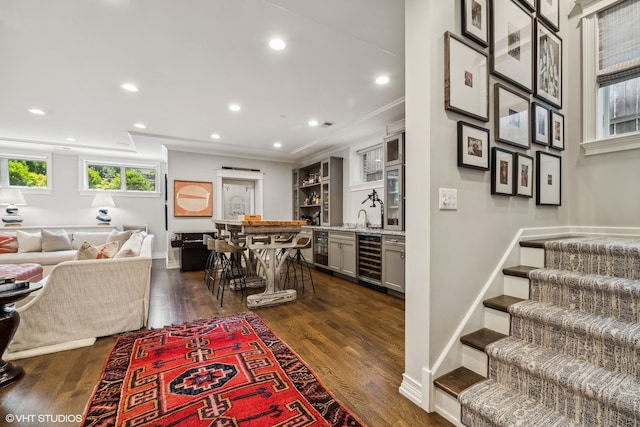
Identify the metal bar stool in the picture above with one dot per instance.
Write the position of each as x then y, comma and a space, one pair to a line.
298, 268
208, 271
231, 267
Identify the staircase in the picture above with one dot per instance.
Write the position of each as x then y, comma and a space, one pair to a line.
561, 347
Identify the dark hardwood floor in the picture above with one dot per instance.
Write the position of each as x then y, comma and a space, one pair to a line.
351, 336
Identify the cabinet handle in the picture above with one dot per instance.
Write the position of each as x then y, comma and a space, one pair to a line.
401, 254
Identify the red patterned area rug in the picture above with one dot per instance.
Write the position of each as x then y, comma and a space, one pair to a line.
231, 371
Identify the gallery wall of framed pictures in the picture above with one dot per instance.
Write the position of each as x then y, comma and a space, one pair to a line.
510, 48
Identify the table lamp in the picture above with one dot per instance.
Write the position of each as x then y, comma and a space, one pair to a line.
103, 201
12, 197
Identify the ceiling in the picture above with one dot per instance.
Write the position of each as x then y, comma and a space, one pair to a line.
191, 59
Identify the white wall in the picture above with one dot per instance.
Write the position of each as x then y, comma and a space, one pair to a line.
65, 206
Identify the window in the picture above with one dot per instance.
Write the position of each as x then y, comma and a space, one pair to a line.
611, 75
120, 177
24, 172
371, 163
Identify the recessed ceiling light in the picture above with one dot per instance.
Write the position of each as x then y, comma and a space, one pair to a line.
140, 125
36, 111
70, 139
382, 80
313, 123
129, 87
277, 144
215, 136
277, 44
234, 107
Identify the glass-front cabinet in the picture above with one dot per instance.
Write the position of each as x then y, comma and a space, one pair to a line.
394, 198
394, 149
317, 192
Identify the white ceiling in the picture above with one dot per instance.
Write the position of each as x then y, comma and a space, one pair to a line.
190, 59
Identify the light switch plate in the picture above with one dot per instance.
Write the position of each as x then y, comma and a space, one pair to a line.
448, 199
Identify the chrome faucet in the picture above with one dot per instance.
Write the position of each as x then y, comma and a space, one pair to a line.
366, 217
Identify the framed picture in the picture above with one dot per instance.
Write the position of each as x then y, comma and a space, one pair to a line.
548, 179
501, 172
523, 175
192, 198
466, 83
557, 130
511, 117
475, 21
548, 65
512, 44
530, 4
473, 146
549, 11
539, 124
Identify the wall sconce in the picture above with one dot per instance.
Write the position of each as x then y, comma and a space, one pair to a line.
12, 197
103, 201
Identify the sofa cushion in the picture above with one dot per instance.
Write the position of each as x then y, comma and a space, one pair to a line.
8, 243
55, 241
42, 258
29, 242
131, 247
119, 236
96, 238
89, 251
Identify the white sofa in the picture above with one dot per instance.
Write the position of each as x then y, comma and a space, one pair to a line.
81, 300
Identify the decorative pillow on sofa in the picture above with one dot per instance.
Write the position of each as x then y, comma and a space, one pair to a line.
8, 243
96, 238
89, 251
55, 241
29, 242
119, 236
132, 246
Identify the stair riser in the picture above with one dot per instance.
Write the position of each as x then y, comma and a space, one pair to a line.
475, 360
601, 262
516, 286
566, 401
597, 350
533, 257
498, 321
448, 406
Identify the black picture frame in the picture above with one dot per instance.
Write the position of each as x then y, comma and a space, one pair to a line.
548, 179
502, 168
540, 129
466, 78
530, 4
473, 146
523, 172
556, 130
549, 12
475, 21
512, 122
548, 61
512, 42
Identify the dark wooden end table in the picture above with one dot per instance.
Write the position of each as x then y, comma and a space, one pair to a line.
9, 321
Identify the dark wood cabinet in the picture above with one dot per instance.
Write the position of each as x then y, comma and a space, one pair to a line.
193, 251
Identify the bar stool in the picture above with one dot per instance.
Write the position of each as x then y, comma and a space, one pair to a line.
297, 263
205, 241
231, 269
211, 261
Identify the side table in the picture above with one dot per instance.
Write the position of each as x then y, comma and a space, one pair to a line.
9, 321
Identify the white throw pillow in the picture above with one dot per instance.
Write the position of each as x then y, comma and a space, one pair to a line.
55, 241
131, 247
119, 236
96, 238
29, 242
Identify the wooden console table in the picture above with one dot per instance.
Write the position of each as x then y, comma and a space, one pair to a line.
261, 240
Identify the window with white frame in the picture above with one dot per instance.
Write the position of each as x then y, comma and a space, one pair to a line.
25, 171
371, 163
115, 176
611, 75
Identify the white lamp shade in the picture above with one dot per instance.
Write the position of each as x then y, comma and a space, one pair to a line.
12, 196
103, 200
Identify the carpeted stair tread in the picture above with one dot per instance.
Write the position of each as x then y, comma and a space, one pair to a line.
614, 390
583, 335
501, 302
488, 403
481, 338
518, 271
456, 381
610, 256
602, 295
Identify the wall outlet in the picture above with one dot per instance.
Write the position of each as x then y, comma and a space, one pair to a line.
448, 199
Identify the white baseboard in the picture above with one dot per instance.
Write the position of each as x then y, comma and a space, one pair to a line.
411, 389
47, 349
